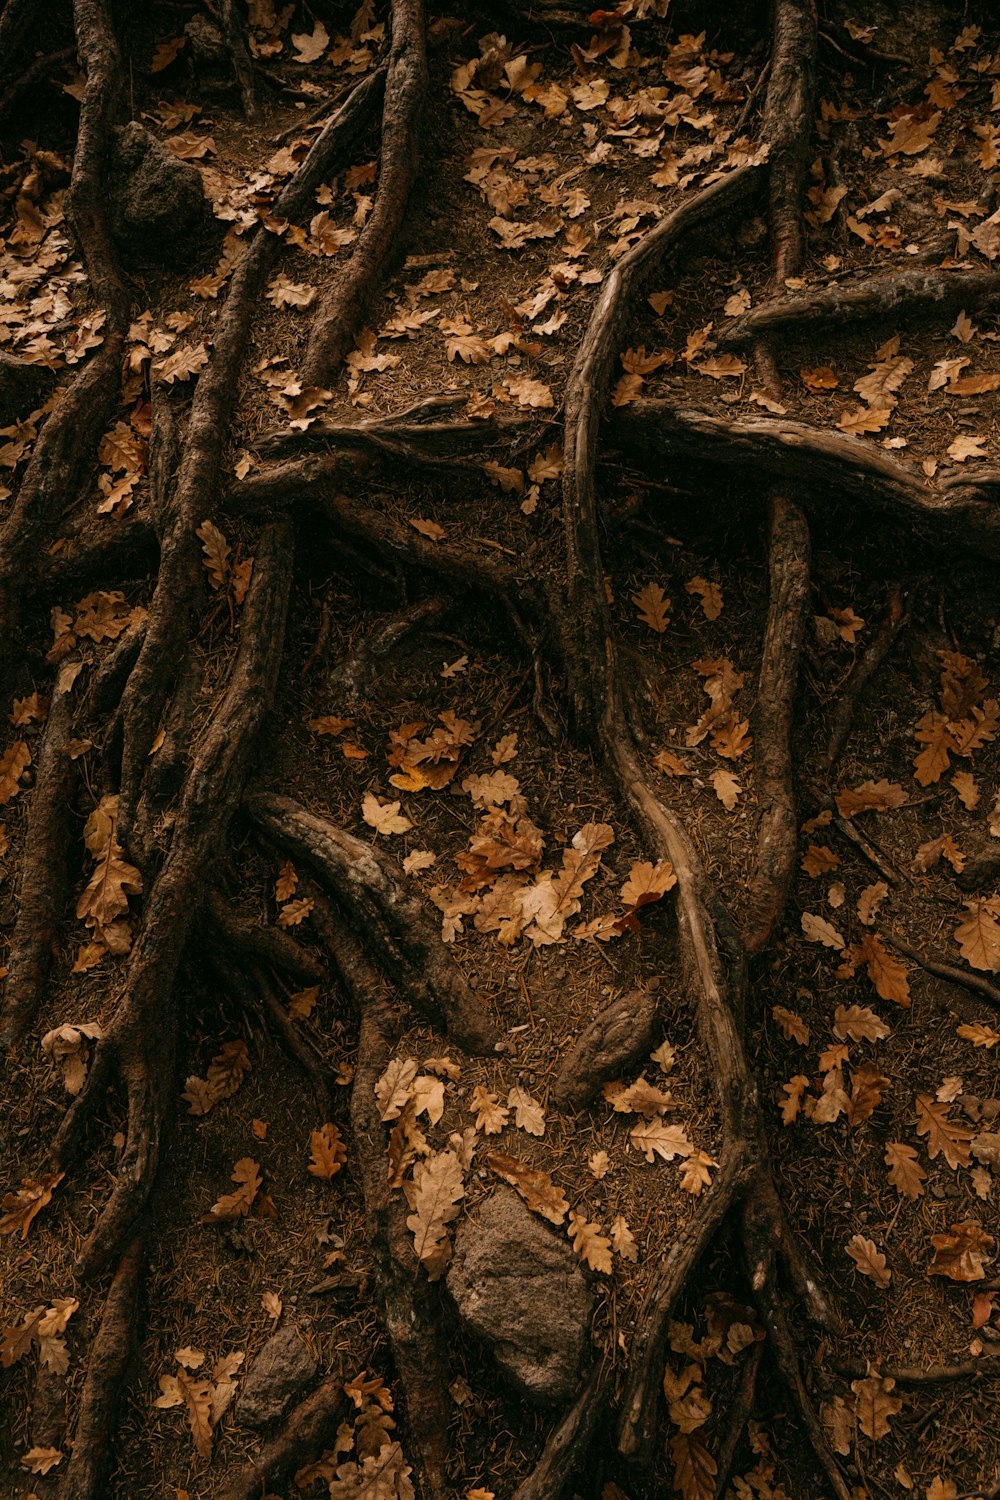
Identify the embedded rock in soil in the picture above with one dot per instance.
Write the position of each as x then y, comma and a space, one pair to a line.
22, 387
616, 1039
519, 1287
156, 199
277, 1375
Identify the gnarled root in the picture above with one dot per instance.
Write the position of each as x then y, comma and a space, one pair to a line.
399, 925
303, 1434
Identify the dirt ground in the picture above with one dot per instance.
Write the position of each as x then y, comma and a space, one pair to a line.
698, 533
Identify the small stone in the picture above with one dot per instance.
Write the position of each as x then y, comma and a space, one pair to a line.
157, 201
616, 1039
279, 1372
519, 1287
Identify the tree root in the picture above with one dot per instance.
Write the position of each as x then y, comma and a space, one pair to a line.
269, 945
986, 1364
566, 1447
777, 836
405, 88
256, 996
399, 924
351, 679
43, 887
180, 577
235, 35
140, 1042
302, 1436
100, 1403
816, 466
863, 671
874, 297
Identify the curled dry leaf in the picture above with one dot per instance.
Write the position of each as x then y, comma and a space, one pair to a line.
67, 1046
534, 1186
960, 1253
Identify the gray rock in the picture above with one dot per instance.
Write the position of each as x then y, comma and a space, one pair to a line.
519, 1287
279, 1372
157, 200
616, 1039
23, 387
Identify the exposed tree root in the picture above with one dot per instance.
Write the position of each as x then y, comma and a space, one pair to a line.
874, 297
101, 1401
257, 997
817, 465
141, 1039
740, 1410
399, 925
777, 834
43, 888
987, 1365
351, 679
179, 581
235, 34
565, 1449
304, 1433
269, 945
405, 88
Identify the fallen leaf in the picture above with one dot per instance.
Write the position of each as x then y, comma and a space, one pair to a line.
327, 1152
653, 606
593, 1248
869, 1259
959, 1254
534, 1186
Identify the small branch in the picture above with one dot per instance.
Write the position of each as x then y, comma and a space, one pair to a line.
951, 972
270, 945
987, 1365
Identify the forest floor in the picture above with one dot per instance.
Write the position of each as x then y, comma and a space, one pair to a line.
541, 165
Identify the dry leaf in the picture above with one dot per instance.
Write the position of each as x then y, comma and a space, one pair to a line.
23, 1205
727, 787
819, 930
491, 1116
653, 606
978, 937
623, 1240
216, 550
869, 1260
246, 1175
944, 1136
384, 817
535, 1186
875, 1404
960, 1253
593, 1248
327, 1152
905, 1172
528, 1113
434, 1196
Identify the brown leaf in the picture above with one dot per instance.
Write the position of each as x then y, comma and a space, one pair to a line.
327, 1152
870, 796
216, 550
978, 937
246, 1174
694, 1467
869, 1260
13, 763
593, 1248
535, 1186
491, 1115
819, 860
22, 1206
944, 1137
960, 1253
887, 974
793, 1026
653, 606
905, 1172
860, 1023
875, 1405
867, 1088
434, 1196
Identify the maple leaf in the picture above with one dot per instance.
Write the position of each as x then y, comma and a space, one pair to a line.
384, 817
869, 1259
23, 1206
653, 1138
491, 1115
944, 1137
978, 937
434, 1197
246, 1174
960, 1253
216, 550
590, 1244
528, 1113
653, 606
310, 45
875, 1404
905, 1172
327, 1152
533, 1185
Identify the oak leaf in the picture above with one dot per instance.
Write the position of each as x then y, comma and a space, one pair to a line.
434, 1196
14, 761
978, 937
875, 1405
327, 1152
819, 930
528, 1113
653, 1138
870, 796
246, 1175
590, 1244
860, 1023
869, 1259
905, 1172
623, 1240
653, 606
944, 1137
491, 1115
534, 1186
959, 1254
726, 787
793, 1026
886, 973
384, 817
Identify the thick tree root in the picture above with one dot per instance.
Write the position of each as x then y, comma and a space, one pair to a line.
405, 87
304, 1433
43, 886
351, 679
777, 834
141, 1040
566, 1447
875, 297
235, 34
817, 466
180, 577
101, 1401
399, 925
269, 945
